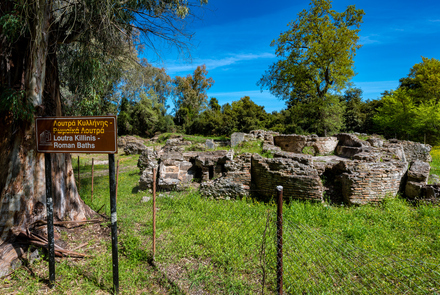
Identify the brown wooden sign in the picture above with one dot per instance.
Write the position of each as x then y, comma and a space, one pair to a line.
97, 134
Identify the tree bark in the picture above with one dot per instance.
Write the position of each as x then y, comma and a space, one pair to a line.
22, 173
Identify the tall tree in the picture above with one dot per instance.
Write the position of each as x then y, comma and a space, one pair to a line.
190, 95
31, 33
416, 102
354, 117
316, 55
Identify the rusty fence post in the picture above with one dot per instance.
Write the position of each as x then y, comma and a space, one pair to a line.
79, 180
280, 240
93, 169
154, 213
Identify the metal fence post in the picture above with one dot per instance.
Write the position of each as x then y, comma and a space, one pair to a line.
154, 213
49, 210
280, 240
117, 180
114, 226
79, 179
93, 169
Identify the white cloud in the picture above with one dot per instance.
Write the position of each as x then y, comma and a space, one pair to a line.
370, 39
217, 63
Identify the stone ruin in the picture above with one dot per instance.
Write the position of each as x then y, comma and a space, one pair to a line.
342, 168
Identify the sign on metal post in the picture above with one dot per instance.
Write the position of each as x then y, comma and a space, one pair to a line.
76, 134
97, 134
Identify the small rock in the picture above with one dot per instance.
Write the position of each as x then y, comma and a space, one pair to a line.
34, 256
145, 199
434, 178
210, 144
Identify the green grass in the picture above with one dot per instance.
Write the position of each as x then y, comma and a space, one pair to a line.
216, 246
435, 164
193, 138
254, 146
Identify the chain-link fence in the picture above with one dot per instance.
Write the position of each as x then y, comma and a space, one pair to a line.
316, 264
207, 246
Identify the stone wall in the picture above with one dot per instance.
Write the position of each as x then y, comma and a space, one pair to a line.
299, 181
359, 171
234, 182
265, 136
296, 143
176, 169
417, 179
416, 151
364, 182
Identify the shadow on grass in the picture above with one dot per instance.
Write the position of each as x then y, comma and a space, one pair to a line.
135, 190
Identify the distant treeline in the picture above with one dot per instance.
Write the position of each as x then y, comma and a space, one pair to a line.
410, 112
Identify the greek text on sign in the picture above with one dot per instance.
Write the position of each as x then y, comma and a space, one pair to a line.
96, 134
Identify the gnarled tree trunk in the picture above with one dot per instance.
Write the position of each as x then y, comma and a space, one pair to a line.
22, 175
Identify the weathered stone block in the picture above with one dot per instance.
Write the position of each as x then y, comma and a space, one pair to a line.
416, 151
364, 182
419, 172
346, 139
210, 144
291, 143
413, 189
237, 138
376, 142
300, 181
132, 148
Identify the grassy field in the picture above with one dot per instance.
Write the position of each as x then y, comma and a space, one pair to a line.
229, 246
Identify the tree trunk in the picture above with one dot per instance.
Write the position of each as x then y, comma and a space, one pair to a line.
22, 173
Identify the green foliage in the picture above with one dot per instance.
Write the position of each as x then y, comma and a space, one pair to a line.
247, 115
416, 102
316, 53
190, 96
145, 117
252, 146
316, 57
217, 245
321, 116
17, 103
12, 25
435, 164
308, 150
354, 115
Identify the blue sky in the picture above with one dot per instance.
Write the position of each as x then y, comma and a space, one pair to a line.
233, 40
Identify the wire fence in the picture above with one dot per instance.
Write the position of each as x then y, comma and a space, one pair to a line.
207, 246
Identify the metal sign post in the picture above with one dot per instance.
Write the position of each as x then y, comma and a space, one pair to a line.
114, 219
49, 210
96, 134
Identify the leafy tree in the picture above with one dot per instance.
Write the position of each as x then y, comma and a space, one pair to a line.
423, 81
190, 95
318, 116
397, 107
210, 121
248, 115
370, 109
316, 55
125, 121
354, 117
143, 77
96, 35
416, 102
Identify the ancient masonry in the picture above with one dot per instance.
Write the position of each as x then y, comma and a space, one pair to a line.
342, 168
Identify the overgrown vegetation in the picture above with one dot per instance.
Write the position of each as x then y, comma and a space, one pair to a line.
216, 245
